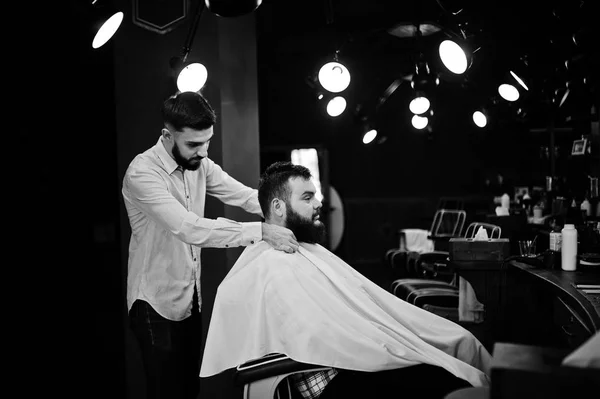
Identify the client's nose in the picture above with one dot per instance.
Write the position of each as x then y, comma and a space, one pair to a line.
318, 204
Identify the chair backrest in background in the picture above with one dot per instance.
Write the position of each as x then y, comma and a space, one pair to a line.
448, 223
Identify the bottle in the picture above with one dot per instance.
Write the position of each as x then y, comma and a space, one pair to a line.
569, 248
586, 208
505, 201
552, 259
574, 215
555, 240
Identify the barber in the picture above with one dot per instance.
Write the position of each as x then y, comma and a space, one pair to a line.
164, 191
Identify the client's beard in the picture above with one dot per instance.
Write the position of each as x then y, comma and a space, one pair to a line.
304, 229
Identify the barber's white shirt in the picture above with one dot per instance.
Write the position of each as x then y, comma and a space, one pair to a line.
165, 205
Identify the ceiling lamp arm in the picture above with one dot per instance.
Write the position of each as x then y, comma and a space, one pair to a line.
388, 92
192, 32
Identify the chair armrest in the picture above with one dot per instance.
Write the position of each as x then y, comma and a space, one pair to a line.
435, 257
433, 263
268, 366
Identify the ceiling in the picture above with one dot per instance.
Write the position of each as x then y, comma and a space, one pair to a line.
503, 32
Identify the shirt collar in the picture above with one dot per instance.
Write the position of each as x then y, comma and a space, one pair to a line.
168, 162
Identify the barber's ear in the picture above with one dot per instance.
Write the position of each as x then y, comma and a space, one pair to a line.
166, 133
278, 207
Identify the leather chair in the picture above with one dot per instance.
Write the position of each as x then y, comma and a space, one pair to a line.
437, 290
266, 377
447, 223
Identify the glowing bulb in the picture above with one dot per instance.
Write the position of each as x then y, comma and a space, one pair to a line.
336, 106
508, 92
334, 77
369, 136
479, 118
419, 105
518, 79
453, 57
419, 122
192, 77
107, 30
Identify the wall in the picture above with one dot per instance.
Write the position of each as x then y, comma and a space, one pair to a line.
397, 183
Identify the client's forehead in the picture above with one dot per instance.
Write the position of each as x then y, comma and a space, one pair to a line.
299, 186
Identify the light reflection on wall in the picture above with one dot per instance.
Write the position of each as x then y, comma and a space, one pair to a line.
309, 158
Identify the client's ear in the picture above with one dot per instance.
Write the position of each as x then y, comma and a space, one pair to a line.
278, 207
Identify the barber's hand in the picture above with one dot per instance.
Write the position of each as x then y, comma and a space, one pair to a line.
280, 238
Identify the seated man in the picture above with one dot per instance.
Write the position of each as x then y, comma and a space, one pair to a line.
316, 309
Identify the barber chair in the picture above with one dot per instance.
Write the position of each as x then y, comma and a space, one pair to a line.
266, 377
413, 242
447, 223
430, 292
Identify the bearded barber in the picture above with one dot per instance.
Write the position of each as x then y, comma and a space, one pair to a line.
164, 191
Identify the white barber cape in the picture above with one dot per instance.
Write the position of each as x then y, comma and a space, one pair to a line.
317, 309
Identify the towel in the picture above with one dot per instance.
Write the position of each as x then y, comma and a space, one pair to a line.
416, 240
502, 211
315, 308
469, 308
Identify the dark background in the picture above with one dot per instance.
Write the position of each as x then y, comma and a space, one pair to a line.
69, 281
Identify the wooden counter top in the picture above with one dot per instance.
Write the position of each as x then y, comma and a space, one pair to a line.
565, 285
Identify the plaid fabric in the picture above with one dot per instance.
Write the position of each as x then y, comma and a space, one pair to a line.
312, 383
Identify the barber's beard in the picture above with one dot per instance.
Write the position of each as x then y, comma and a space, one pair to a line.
305, 229
187, 164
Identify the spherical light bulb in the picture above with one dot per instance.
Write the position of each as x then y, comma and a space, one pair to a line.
334, 77
453, 57
419, 105
107, 30
369, 136
336, 106
192, 77
479, 118
419, 122
508, 92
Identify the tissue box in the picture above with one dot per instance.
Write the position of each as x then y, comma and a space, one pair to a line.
467, 249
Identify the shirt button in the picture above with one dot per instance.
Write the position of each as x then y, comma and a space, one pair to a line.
194, 259
252, 242
226, 245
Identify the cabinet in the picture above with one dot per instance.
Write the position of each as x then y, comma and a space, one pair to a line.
532, 305
543, 307
570, 328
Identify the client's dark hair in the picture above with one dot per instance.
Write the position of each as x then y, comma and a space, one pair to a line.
273, 183
188, 109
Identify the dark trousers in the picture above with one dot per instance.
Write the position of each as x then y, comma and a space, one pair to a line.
170, 351
423, 381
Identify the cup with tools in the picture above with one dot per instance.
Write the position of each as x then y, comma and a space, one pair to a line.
527, 248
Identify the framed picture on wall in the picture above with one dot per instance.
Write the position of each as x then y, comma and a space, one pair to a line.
579, 147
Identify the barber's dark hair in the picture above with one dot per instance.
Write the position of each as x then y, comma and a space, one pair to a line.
188, 109
274, 183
